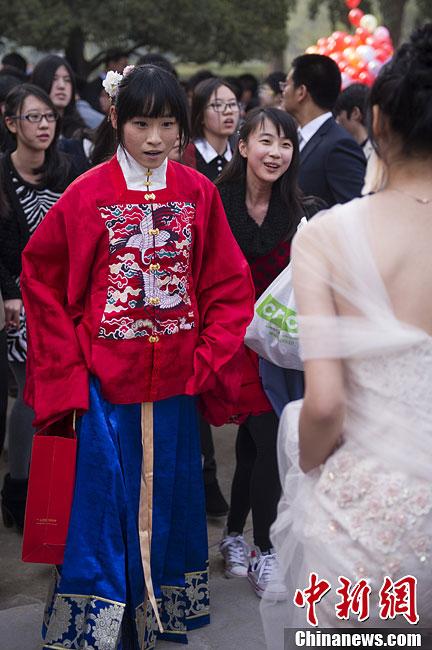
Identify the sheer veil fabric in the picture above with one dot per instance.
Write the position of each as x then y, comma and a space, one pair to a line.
366, 513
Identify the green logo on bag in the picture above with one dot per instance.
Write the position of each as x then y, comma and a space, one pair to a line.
274, 312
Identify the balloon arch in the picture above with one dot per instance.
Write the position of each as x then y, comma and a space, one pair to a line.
361, 55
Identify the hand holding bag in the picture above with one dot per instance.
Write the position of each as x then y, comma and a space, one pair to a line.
50, 493
273, 331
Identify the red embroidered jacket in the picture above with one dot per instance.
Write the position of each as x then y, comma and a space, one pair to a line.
148, 291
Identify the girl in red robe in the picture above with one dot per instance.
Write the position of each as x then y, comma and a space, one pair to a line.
137, 300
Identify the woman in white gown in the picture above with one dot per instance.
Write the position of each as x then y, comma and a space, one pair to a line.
356, 455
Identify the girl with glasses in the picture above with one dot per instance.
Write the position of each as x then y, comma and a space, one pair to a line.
33, 175
270, 93
146, 298
214, 118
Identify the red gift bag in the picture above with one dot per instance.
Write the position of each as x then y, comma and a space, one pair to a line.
50, 493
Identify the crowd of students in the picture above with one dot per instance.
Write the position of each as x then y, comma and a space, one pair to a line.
139, 225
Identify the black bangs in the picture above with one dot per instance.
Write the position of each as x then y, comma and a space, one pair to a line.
282, 121
151, 91
284, 124
276, 123
45, 69
153, 108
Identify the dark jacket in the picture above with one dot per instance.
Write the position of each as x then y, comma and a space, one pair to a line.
14, 231
332, 165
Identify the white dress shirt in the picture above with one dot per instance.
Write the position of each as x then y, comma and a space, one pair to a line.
136, 175
208, 153
306, 132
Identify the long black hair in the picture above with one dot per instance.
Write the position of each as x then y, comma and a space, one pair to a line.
151, 91
56, 167
104, 143
43, 76
290, 193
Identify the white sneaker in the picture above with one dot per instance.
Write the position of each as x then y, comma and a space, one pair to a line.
260, 569
236, 553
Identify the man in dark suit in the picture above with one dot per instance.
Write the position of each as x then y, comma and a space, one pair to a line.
332, 164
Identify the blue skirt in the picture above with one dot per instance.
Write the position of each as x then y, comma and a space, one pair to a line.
98, 596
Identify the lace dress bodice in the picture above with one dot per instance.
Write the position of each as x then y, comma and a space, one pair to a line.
401, 379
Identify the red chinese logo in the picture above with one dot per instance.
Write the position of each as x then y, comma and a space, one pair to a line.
355, 600
395, 598
399, 598
311, 596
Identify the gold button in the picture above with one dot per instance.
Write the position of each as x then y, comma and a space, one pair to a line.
148, 183
153, 339
149, 196
154, 267
153, 231
149, 173
154, 301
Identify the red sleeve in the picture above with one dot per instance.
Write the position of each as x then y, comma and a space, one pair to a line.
189, 156
225, 296
53, 292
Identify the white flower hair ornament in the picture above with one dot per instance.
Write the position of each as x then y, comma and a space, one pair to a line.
113, 79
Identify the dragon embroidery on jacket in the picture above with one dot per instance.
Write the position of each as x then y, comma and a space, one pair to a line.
149, 269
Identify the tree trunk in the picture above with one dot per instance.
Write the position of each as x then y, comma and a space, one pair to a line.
393, 16
75, 53
276, 63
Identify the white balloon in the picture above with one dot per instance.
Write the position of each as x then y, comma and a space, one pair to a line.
368, 21
366, 52
374, 67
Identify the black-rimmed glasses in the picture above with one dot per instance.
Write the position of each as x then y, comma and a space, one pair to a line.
36, 117
221, 107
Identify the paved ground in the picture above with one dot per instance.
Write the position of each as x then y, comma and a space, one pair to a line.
234, 606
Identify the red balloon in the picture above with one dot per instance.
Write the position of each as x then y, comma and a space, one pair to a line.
352, 3
342, 65
386, 46
322, 42
381, 55
350, 71
336, 56
349, 41
331, 46
361, 66
362, 34
355, 16
365, 78
338, 38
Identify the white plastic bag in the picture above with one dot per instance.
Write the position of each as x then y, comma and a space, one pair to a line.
273, 331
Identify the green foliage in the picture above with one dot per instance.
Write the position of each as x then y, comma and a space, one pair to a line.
220, 30
424, 11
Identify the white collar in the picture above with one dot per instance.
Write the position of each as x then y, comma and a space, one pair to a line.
309, 129
136, 175
208, 153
